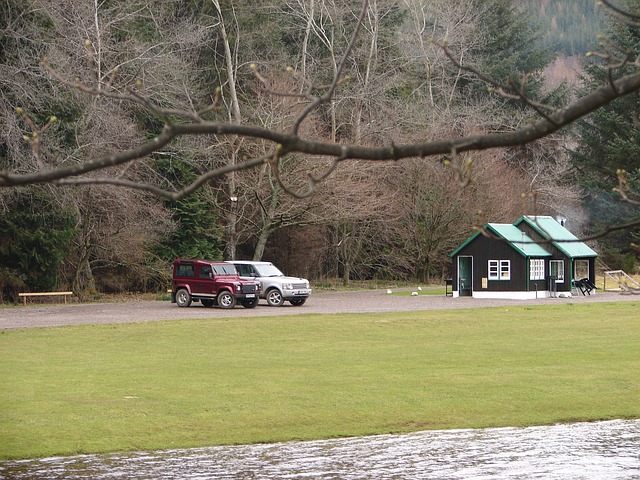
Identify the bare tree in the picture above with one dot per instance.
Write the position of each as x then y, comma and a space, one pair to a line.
262, 203
231, 66
455, 24
114, 227
552, 179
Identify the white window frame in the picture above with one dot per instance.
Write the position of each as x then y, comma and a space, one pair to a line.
499, 270
505, 269
536, 269
559, 270
494, 268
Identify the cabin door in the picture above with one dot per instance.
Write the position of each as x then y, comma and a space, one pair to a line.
465, 276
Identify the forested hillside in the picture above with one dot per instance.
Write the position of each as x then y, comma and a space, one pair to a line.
569, 27
259, 64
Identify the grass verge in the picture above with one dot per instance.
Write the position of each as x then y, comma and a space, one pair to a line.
185, 383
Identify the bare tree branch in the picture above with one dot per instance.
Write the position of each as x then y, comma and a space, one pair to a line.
290, 142
328, 95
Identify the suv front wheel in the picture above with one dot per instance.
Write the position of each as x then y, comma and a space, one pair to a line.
226, 300
297, 302
183, 299
274, 297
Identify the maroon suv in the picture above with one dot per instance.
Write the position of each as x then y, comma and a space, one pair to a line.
212, 284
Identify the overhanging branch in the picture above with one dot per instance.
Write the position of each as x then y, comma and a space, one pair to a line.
290, 143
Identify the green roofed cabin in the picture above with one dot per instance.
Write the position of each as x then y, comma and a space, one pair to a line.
535, 257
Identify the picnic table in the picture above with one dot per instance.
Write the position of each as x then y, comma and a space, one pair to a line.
585, 286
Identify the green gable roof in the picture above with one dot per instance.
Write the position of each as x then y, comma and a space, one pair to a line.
518, 240
565, 241
515, 237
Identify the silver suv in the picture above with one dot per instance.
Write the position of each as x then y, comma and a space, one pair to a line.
276, 287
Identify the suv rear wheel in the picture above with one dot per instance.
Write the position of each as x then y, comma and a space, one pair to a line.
226, 300
183, 299
274, 297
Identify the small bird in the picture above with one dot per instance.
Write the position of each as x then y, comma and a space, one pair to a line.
420, 288
388, 291
414, 294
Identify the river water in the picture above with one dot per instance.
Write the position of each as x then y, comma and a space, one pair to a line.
600, 450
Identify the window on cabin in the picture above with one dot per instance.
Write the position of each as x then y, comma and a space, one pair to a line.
581, 269
536, 269
499, 270
556, 269
493, 269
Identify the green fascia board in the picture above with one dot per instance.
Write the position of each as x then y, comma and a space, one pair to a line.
560, 237
521, 242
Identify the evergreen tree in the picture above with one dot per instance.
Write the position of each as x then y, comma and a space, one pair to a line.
609, 141
513, 48
35, 237
197, 233
569, 26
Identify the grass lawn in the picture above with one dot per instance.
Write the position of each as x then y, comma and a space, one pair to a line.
185, 383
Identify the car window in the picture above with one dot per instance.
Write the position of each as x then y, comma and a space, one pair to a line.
245, 270
185, 270
268, 270
205, 271
225, 269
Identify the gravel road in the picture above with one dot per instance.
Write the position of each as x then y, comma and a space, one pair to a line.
344, 302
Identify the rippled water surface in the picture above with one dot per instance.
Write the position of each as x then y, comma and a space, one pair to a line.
600, 450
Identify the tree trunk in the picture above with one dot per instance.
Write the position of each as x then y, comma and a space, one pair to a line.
231, 245
260, 245
346, 273
232, 219
84, 283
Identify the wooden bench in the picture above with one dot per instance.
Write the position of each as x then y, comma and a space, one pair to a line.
43, 294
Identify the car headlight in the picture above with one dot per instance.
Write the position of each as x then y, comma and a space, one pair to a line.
287, 286
239, 288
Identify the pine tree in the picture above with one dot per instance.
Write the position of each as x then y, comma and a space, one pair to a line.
197, 233
513, 48
35, 237
609, 139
